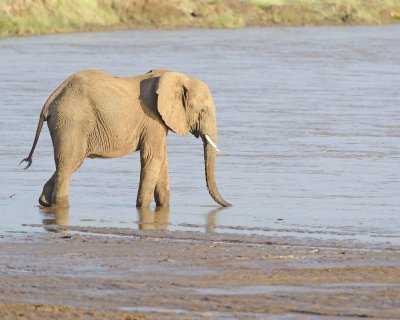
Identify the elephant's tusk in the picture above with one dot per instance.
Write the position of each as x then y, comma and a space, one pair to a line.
211, 142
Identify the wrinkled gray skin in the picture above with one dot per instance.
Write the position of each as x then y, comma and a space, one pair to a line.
94, 114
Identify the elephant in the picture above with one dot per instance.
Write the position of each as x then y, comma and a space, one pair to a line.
93, 114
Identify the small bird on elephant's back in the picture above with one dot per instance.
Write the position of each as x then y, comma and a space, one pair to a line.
93, 114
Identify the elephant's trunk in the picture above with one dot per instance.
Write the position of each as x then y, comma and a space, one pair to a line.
209, 162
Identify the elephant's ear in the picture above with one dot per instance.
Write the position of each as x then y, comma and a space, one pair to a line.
171, 101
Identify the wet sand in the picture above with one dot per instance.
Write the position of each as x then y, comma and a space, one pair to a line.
92, 273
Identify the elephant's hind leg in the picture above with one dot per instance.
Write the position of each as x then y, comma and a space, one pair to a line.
69, 153
45, 197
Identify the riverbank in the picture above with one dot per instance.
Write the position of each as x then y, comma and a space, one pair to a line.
30, 17
185, 275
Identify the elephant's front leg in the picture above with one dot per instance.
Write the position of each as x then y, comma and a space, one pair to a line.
151, 160
161, 193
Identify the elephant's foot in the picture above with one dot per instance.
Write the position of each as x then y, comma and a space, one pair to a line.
44, 200
140, 205
143, 203
161, 199
162, 204
60, 202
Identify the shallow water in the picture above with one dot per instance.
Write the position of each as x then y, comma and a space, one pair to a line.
309, 129
273, 289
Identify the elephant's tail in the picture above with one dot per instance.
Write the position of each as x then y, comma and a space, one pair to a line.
43, 117
38, 130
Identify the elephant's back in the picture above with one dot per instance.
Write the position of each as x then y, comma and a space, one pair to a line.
97, 91
97, 84
91, 97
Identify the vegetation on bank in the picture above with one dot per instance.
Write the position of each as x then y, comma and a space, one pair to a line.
21, 17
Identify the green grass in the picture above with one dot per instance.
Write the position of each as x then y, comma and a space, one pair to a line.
332, 11
35, 16
22, 17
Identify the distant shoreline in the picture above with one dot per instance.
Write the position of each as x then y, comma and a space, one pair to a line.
19, 18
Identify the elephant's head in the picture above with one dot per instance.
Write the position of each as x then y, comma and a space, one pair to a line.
186, 105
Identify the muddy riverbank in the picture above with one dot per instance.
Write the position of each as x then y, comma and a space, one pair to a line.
181, 275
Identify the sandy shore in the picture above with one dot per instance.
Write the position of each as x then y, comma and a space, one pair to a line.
182, 275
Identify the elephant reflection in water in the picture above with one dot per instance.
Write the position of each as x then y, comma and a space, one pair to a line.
211, 224
55, 216
158, 219
149, 219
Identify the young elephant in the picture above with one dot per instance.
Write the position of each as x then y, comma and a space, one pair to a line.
94, 114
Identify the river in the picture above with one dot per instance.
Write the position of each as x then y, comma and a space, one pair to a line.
309, 131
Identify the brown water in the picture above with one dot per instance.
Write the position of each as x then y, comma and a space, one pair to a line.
309, 123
